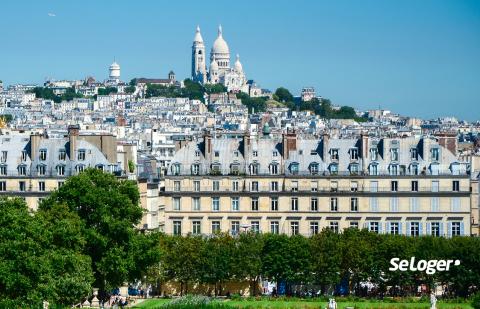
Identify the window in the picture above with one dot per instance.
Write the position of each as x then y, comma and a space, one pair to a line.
215, 227
3, 157
314, 186
274, 203
215, 203
196, 203
254, 203
354, 204
235, 185
177, 227
294, 204
294, 186
333, 169
275, 153
80, 168
455, 229
354, 169
22, 170
434, 168
195, 169
274, 186
455, 201
217, 154
394, 154
294, 227
314, 168
216, 169
393, 169
43, 154
414, 204
435, 153
42, 169
314, 204
176, 203
414, 186
414, 169
254, 186
435, 186
394, 228
373, 169
373, 186
62, 155
313, 152
394, 204
235, 169
3, 186
24, 155
60, 184
196, 227
197, 153
294, 168
373, 154
333, 154
354, 154
235, 227
333, 204
274, 169
61, 170
255, 226
414, 154
81, 155
373, 204
176, 169
374, 227
394, 186
255, 153
3, 170
414, 229
354, 224
334, 186
176, 186
235, 204
435, 229
196, 185
215, 185
314, 228
41, 186
435, 203
333, 226
274, 227
22, 186
456, 186
354, 186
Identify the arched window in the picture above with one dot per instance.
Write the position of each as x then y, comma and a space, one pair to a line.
196, 169
314, 167
333, 168
274, 170
294, 168
175, 169
60, 170
41, 169
373, 169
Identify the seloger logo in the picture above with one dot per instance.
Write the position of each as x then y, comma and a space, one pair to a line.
430, 266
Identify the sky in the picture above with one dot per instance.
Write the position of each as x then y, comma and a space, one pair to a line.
416, 58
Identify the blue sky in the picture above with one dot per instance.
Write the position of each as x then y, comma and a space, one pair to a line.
418, 58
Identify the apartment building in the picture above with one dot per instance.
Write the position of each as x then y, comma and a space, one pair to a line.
298, 185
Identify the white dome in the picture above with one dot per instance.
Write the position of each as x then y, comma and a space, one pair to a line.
114, 66
238, 65
214, 65
220, 46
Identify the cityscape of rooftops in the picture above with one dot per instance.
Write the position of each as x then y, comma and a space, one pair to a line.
271, 154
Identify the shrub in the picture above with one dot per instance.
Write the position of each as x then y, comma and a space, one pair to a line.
476, 301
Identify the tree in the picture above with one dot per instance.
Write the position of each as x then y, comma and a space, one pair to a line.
283, 95
215, 88
107, 90
109, 209
326, 259
130, 89
248, 258
253, 104
41, 256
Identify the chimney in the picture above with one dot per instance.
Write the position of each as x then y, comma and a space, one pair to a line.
425, 147
448, 141
364, 150
73, 132
325, 146
207, 141
246, 143
289, 142
34, 145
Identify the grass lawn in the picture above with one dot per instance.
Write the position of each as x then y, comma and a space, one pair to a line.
309, 304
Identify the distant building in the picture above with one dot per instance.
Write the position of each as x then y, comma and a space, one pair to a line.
308, 93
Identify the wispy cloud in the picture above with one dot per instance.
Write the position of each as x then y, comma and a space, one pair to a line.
52, 14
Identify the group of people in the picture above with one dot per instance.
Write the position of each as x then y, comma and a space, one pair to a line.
117, 301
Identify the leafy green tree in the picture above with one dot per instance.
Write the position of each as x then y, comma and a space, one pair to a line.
248, 259
107, 90
326, 257
283, 95
110, 210
253, 104
215, 88
41, 256
130, 89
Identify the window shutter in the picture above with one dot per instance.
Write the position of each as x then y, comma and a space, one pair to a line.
408, 229
449, 229
400, 228
380, 228
441, 229
429, 228
420, 228
462, 229
366, 225
388, 228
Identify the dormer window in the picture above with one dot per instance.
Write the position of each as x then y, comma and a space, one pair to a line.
61, 170
435, 152
373, 154
43, 154
80, 168
334, 154
235, 169
176, 169
354, 169
394, 154
217, 154
275, 153
22, 170
197, 153
62, 155
255, 153
333, 168
3, 170
294, 167
353, 154
373, 169
313, 152
216, 169
24, 155
414, 154
455, 168
235, 153
393, 169
414, 169
81, 155
313, 168
274, 168
196, 169
42, 169
3, 157
99, 167
254, 167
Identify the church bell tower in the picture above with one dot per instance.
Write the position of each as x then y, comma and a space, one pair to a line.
199, 70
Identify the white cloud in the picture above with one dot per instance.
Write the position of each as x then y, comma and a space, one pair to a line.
52, 14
